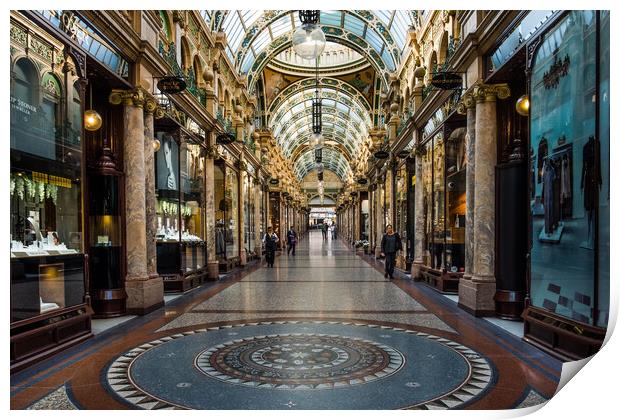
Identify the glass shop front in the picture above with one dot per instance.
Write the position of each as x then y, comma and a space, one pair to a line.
570, 184
226, 215
180, 182
443, 182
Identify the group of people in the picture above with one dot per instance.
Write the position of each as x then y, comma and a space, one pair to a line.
270, 244
325, 229
390, 245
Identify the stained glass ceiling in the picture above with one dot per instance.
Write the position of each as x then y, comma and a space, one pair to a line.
250, 32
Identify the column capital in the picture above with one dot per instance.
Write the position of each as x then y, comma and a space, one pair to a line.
131, 97
467, 101
490, 93
419, 150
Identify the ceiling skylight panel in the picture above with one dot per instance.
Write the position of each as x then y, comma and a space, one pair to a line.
374, 40
354, 25
331, 17
385, 16
250, 16
281, 26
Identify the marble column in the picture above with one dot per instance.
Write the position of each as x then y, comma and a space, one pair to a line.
150, 107
144, 294
389, 195
418, 242
467, 106
213, 269
257, 219
243, 256
380, 219
476, 293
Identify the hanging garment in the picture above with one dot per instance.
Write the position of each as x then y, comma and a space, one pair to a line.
590, 173
548, 178
566, 176
543, 150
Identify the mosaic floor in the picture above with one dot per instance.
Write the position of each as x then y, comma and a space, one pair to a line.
322, 330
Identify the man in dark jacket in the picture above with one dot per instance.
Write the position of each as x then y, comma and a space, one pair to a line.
291, 238
390, 245
270, 241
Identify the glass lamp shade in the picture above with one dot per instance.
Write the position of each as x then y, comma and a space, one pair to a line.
92, 120
523, 105
316, 140
308, 41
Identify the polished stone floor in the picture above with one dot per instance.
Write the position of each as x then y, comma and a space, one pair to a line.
321, 330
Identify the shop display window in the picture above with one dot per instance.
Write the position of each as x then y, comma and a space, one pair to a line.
192, 208
400, 225
566, 162
226, 212
444, 184
249, 225
604, 193
456, 207
47, 268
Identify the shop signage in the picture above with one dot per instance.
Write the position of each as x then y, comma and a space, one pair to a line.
224, 138
21, 106
274, 181
171, 84
446, 80
362, 181
381, 154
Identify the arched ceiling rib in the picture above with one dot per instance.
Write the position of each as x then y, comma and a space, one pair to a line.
308, 83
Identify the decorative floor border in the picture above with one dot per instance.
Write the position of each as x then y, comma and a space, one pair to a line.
479, 379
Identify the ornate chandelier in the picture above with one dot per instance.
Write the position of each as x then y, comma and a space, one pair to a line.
309, 39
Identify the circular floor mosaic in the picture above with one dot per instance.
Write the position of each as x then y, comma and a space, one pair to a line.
301, 365
296, 360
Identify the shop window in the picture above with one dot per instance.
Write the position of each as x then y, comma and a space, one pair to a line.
193, 247
567, 155
604, 193
47, 271
227, 211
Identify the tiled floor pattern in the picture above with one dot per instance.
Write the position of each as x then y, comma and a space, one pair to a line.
324, 293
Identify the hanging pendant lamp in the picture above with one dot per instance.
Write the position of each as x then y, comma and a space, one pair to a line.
92, 119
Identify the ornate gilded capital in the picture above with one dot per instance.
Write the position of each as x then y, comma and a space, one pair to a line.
243, 165
467, 101
211, 152
135, 97
490, 93
419, 150
150, 105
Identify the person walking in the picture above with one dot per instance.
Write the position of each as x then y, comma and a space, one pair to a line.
291, 237
390, 245
270, 243
324, 231
334, 233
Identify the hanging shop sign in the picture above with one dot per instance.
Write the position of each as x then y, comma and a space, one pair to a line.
362, 181
381, 154
446, 80
403, 154
171, 84
274, 181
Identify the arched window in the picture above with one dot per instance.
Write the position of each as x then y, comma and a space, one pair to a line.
50, 107
25, 84
166, 25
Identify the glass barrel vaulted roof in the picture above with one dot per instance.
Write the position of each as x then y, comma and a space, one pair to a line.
249, 32
332, 160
